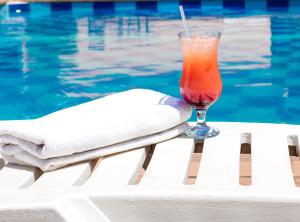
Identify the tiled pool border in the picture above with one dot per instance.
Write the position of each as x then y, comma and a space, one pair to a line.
152, 5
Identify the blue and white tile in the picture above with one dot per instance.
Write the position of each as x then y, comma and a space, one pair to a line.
15, 8
3, 11
191, 5
61, 6
146, 5
168, 6
82, 8
294, 6
104, 6
277, 4
212, 4
40, 9
234, 4
255, 4
125, 7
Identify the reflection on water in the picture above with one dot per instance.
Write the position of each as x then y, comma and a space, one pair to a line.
48, 63
96, 32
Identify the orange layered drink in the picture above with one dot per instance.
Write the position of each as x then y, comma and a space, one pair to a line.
200, 83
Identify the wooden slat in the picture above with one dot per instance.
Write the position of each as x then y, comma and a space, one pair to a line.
2, 163
219, 165
117, 170
15, 176
193, 168
65, 177
245, 169
169, 163
271, 167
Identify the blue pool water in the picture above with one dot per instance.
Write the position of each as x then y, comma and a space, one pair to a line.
49, 62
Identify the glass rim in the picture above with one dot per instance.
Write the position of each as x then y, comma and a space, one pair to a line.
208, 33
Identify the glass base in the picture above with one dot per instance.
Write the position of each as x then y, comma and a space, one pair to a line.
200, 132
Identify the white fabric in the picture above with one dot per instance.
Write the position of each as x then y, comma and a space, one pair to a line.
115, 123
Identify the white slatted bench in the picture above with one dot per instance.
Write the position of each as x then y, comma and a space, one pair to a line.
250, 172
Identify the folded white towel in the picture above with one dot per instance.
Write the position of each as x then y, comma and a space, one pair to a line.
115, 123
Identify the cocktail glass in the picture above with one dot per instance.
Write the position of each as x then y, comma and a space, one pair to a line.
200, 83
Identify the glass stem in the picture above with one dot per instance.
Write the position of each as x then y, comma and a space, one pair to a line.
201, 114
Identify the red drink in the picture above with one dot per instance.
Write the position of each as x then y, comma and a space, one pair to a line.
200, 84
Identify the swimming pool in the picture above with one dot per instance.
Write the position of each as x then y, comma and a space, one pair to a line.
54, 59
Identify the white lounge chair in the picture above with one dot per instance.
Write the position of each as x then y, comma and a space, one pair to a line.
245, 174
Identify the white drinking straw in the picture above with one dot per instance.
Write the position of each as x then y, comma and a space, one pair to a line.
184, 21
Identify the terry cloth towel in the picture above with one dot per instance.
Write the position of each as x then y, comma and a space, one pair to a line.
111, 124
